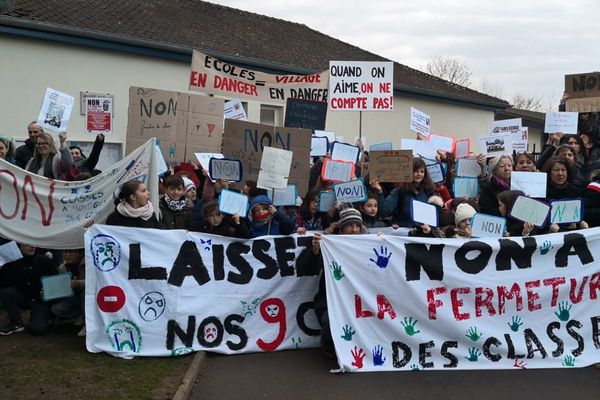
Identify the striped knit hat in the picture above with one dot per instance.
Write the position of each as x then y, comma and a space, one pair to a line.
349, 215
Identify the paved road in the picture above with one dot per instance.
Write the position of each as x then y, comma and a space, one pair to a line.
304, 374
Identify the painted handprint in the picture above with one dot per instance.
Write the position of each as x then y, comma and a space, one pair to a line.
414, 367
545, 247
515, 323
348, 333
474, 354
473, 334
522, 364
297, 342
337, 271
378, 357
359, 356
382, 258
563, 311
409, 326
569, 361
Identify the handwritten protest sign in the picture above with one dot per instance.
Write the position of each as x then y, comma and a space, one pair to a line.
351, 192
245, 141
440, 142
55, 113
99, 114
533, 184
213, 76
204, 158
582, 85
381, 146
274, 168
223, 168
318, 146
307, 114
361, 86
231, 202
424, 213
505, 126
234, 109
527, 209
497, 144
345, 152
566, 211
565, 122
331, 137
9, 252
337, 171
484, 225
468, 167
465, 187
326, 201
287, 197
419, 148
57, 286
462, 148
391, 166
420, 122
436, 172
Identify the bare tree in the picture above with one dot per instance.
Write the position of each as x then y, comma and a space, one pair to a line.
530, 103
491, 88
452, 69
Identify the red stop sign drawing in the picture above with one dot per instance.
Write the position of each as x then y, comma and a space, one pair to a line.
110, 299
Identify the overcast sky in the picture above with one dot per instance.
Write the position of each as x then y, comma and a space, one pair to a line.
520, 46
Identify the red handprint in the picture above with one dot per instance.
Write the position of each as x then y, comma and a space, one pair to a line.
359, 355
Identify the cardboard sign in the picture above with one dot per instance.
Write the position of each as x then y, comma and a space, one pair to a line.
419, 148
98, 114
391, 166
318, 146
566, 211
57, 286
350, 192
345, 152
274, 168
244, 141
462, 148
337, 171
424, 213
361, 86
468, 167
231, 202
440, 142
55, 113
583, 105
436, 172
381, 146
533, 184
204, 158
529, 210
505, 126
285, 197
420, 122
9, 252
484, 225
582, 85
565, 122
234, 109
465, 187
223, 168
306, 114
326, 201
213, 76
493, 145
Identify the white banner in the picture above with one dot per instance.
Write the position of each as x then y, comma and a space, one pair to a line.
50, 214
399, 303
159, 293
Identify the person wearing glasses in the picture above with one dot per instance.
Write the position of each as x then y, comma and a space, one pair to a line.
25, 152
47, 160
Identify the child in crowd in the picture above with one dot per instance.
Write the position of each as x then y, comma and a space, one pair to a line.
74, 306
462, 219
133, 208
191, 194
309, 218
266, 220
175, 210
218, 224
514, 227
370, 212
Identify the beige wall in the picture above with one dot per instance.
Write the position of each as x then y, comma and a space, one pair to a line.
29, 66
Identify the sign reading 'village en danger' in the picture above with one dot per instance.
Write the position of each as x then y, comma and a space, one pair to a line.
361, 86
213, 76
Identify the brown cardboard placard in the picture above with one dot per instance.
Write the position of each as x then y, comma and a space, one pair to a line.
582, 85
391, 165
583, 105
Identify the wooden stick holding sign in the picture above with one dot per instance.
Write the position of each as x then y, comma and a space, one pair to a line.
337, 171
224, 168
350, 192
566, 211
529, 210
274, 168
424, 213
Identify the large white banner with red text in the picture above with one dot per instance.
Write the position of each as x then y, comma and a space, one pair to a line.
51, 214
213, 76
398, 303
151, 292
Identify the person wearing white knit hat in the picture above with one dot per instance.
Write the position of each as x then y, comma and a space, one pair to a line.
462, 218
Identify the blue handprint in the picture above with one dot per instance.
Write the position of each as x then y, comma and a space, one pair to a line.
563, 311
378, 358
382, 259
348, 333
515, 323
474, 354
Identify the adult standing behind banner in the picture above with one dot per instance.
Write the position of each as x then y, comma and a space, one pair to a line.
133, 208
349, 223
88, 164
25, 152
7, 149
47, 161
499, 173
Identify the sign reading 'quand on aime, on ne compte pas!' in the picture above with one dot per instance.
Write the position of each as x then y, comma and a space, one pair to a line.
361, 86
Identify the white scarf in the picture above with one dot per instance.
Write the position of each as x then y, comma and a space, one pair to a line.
145, 212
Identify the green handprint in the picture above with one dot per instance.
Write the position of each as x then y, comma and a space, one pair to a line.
569, 361
515, 323
337, 271
348, 332
409, 326
546, 247
473, 334
414, 367
563, 311
474, 354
